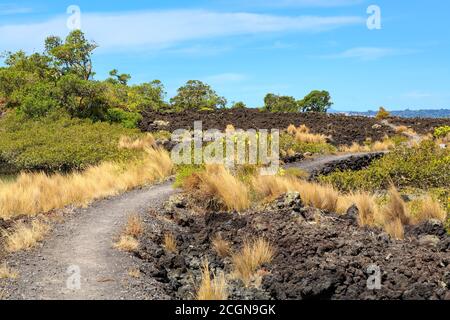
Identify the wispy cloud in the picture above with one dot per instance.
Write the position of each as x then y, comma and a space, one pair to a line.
9, 9
163, 29
297, 3
417, 95
224, 78
369, 53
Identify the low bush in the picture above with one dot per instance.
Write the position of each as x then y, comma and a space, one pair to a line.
442, 132
59, 144
289, 142
423, 166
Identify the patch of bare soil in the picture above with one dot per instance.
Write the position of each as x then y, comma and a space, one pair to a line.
344, 130
318, 255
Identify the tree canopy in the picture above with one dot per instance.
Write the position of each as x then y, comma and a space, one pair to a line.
198, 96
61, 80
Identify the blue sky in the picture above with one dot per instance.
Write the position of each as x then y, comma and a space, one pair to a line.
247, 48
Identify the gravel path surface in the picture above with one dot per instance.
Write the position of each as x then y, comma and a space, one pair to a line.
84, 243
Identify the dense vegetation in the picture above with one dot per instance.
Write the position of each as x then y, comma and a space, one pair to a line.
424, 166
58, 143
62, 78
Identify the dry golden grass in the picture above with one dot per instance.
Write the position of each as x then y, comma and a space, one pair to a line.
395, 209
221, 247
215, 289
230, 128
354, 148
142, 143
307, 137
127, 243
134, 227
24, 237
7, 273
253, 254
292, 129
377, 146
170, 243
429, 209
34, 193
323, 197
367, 207
218, 182
395, 229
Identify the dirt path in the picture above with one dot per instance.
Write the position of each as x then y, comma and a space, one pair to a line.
413, 137
84, 243
309, 165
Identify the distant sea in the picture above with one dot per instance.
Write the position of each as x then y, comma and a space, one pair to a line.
441, 113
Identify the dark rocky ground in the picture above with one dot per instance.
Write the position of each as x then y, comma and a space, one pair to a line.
343, 129
421, 125
318, 255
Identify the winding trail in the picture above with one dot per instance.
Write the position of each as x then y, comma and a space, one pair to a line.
84, 243
317, 163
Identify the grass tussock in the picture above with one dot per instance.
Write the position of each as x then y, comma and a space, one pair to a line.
323, 197
170, 243
395, 209
134, 227
221, 246
429, 208
218, 182
367, 207
377, 146
212, 289
25, 237
395, 229
405, 131
307, 137
147, 141
127, 243
34, 193
253, 254
7, 273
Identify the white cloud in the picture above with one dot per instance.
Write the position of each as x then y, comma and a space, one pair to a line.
298, 3
163, 29
417, 95
223, 78
9, 9
369, 53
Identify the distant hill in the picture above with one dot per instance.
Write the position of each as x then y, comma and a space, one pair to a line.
442, 113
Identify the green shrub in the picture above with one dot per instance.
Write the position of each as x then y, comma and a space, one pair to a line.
127, 119
184, 172
442, 132
57, 143
424, 166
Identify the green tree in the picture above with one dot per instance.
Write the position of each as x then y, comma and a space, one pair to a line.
382, 114
197, 95
276, 103
74, 55
82, 98
117, 78
238, 105
316, 101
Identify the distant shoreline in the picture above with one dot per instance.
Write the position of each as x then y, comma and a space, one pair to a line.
436, 113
